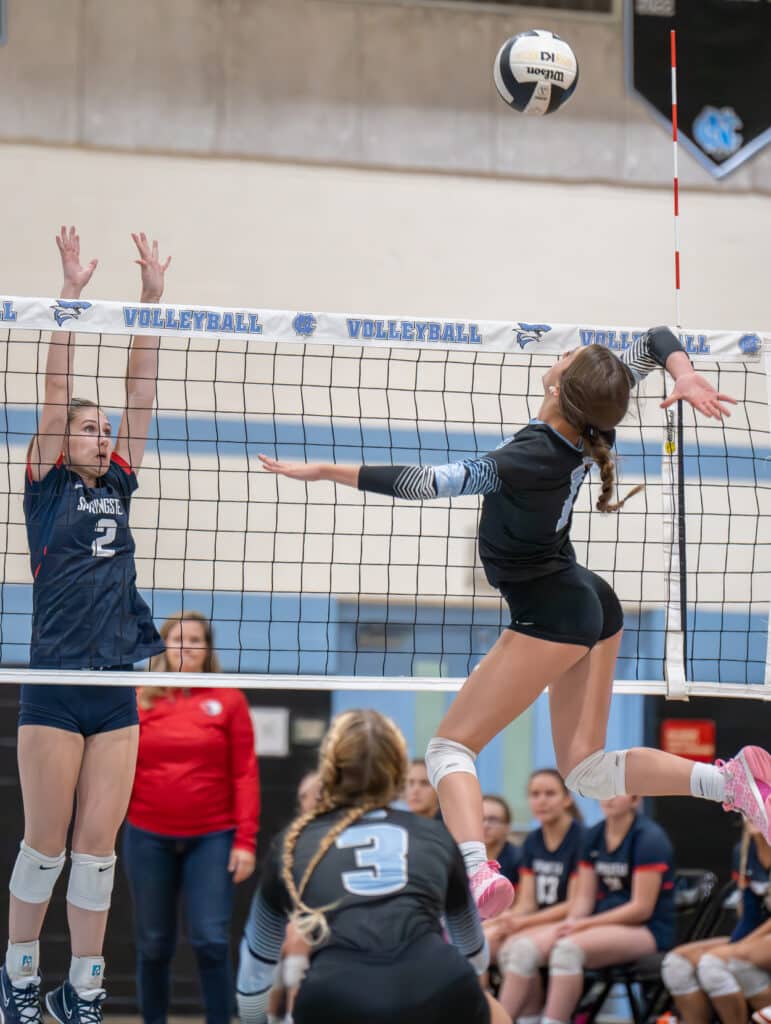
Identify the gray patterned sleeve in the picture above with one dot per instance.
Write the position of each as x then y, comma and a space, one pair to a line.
649, 351
421, 483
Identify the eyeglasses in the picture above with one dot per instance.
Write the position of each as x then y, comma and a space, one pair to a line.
490, 819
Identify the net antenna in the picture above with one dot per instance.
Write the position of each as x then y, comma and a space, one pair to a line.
673, 477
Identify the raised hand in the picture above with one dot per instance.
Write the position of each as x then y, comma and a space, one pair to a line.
698, 392
76, 277
295, 470
153, 271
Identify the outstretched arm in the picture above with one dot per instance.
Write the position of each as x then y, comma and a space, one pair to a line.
142, 371
47, 444
659, 347
417, 483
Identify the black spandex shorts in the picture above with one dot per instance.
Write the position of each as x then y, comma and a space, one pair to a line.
429, 983
574, 606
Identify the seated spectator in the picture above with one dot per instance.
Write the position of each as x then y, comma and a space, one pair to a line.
547, 875
697, 983
496, 818
192, 822
419, 794
622, 909
734, 975
308, 792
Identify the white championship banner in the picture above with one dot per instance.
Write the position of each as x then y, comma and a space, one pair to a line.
304, 327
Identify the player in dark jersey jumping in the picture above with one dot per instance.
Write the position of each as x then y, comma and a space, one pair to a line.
566, 622
87, 614
367, 886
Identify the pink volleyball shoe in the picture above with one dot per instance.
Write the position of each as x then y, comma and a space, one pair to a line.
748, 787
492, 892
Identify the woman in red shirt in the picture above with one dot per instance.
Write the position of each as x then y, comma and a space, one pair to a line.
192, 821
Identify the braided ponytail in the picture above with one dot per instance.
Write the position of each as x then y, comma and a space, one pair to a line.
593, 398
597, 447
311, 922
362, 766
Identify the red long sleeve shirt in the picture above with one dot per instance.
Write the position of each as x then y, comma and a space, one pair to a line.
196, 768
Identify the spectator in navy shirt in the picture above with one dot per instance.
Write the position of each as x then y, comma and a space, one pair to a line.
623, 908
547, 876
496, 815
713, 976
419, 794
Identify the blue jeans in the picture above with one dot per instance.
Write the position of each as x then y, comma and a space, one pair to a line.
160, 869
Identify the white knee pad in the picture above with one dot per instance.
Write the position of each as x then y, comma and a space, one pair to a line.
566, 958
679, 975
443, 757
751, 979
34, 875
601, 775
91, 881
293, 970
715, 977
519, 955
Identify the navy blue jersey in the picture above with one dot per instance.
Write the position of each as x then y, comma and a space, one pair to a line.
645, 847
754, 884
552, 869
509, 860
86, 610
530, 484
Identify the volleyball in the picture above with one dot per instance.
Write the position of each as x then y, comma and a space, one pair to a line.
535, 72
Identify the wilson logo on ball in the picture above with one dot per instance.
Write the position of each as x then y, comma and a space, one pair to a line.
535, 72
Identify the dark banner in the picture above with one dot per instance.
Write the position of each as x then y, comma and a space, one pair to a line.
723, 74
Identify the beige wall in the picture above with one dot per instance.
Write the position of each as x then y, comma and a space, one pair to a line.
362, 82
348, 240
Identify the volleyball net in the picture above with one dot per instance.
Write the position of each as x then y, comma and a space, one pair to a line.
321, 586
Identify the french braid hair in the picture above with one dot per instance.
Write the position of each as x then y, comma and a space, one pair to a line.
593, 398
362, 765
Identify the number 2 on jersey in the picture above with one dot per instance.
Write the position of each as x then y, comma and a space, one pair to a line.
381, 856
105, 534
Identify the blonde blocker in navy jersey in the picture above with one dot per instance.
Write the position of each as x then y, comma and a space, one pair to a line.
87, 612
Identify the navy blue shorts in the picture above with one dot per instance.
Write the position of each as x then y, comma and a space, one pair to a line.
574, 606
84, 709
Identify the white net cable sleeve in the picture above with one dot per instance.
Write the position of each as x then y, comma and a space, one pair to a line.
674, 660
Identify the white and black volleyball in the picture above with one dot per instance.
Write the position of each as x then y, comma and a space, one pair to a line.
535, 72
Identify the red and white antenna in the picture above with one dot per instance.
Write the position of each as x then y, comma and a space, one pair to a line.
673, 51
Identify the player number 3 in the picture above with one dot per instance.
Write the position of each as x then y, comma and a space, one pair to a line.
381, 856
105, 534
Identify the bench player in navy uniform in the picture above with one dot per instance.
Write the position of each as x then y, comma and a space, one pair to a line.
566, 622
87, 614
623, 906
550, 857
367, 887
710, 977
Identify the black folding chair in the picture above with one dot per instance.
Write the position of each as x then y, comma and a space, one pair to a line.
697, 905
